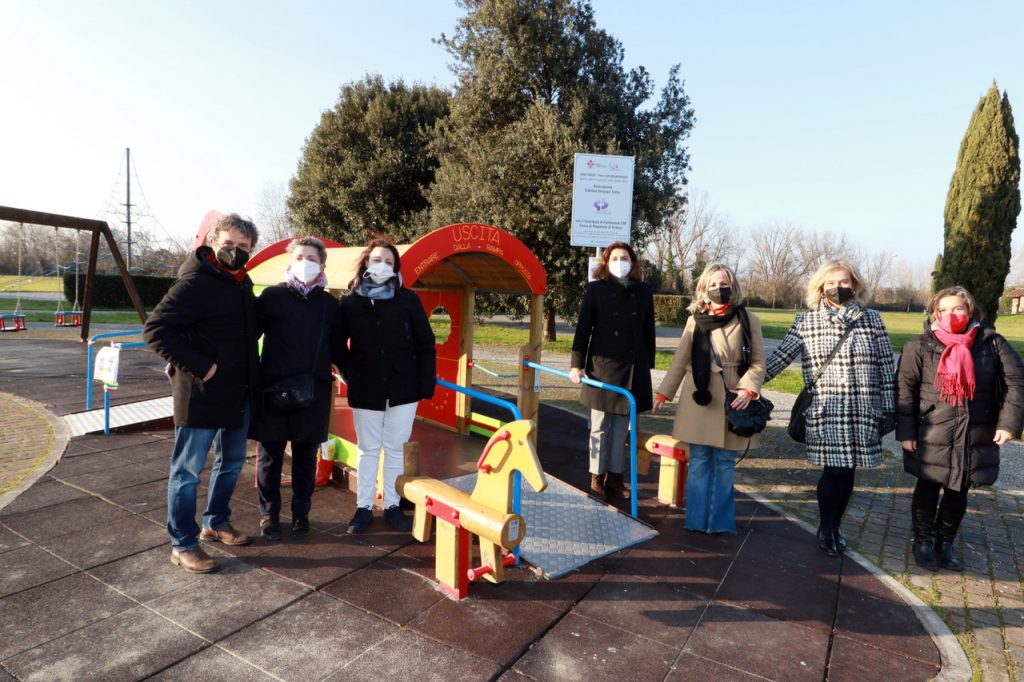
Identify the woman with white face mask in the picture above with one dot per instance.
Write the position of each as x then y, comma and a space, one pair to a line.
960, 397
614, 343
388, 361
296, 319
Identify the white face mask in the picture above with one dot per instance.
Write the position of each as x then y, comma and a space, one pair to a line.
619, 268
379, 272
304, 270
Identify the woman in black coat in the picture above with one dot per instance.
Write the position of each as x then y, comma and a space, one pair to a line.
960, 397
614, 343
297, 319
388, 360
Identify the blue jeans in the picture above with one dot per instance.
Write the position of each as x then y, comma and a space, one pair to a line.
710, 501
191, 446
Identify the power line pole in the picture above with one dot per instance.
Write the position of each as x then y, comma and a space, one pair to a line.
128, 201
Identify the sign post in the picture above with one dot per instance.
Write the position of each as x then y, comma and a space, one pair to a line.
602, 202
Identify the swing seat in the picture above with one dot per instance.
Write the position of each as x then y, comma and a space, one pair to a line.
12, 322
67, 319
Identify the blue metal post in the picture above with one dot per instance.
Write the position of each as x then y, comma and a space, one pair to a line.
632, 419
88, 370
106, 411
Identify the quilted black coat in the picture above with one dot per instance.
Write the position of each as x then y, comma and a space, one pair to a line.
954, 442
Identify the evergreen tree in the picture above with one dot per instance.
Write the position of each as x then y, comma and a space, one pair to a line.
538, 82
366, 166
983, 204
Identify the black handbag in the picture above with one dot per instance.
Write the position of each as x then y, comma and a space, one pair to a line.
289, 394
797, 428
751, 420
295, 392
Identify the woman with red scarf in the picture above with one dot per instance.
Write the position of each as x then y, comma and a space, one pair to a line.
960, 397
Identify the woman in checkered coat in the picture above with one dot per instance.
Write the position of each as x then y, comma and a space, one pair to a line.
854, 400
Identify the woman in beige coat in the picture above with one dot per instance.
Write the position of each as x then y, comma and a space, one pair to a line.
721, 347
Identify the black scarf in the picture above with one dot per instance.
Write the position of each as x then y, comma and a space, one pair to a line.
700, 354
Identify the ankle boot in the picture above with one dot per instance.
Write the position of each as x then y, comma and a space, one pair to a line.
924, 539
597, 485
614, 484
947, 526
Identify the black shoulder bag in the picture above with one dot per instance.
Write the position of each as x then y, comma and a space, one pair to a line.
295, 392
797, 429
755, 416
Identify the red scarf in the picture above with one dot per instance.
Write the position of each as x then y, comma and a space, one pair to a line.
955, 375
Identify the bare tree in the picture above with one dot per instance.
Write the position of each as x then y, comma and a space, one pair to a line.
817, 247
774, 262
272, 217
876, 269
696, 233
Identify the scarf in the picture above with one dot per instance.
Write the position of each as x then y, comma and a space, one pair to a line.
700, 354
955, 376
845, 315
301, 287
378, 292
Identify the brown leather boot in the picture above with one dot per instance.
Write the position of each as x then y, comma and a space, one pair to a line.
616, 485
228, 534
194, 560
597, 485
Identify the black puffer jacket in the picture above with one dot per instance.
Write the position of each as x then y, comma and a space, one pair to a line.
391, 354
614, 343
206, 317
956, 441
292, 325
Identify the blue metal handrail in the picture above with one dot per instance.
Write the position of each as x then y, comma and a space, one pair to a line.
632, 417
517, 479
88, 369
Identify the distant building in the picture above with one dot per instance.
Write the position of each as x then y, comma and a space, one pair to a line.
1016, 306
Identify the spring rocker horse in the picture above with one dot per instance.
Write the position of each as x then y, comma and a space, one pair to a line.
486, 512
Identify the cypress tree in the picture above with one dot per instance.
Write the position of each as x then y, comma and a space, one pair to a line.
983, 204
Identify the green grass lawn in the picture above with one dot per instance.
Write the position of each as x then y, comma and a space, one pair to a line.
9, 284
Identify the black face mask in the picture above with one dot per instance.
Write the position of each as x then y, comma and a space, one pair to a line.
721, 295
839, 295
232, 257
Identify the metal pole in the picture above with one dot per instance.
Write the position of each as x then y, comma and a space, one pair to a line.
128, 200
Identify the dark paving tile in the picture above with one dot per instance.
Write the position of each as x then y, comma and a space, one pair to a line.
76, 448
146, 575
888, 624
43, 493
579, 648
511, 675
119, 439
690, 667
100, 544
699, 571
29, 566
798, 552
142, 499
720, 543
109, 480
155, 454
281, 643
852, 660
128, 646
661, 611
9, 540
755, 643
67, 517
85, 464
317, 559
36, 616
472, 625
407, 656
767, 587
228, 600
212, 664
386, 591
523, 584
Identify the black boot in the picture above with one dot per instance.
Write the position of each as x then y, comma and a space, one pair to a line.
924, 539
827, 541
948, 524
616, 486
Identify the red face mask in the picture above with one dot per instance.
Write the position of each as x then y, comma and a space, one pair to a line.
954, 323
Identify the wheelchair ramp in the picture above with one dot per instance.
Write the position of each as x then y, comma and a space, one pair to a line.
142, 412
566, 528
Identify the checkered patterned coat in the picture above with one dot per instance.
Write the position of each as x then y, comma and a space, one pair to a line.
856, 389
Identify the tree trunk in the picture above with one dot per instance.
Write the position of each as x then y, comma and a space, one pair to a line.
549, 324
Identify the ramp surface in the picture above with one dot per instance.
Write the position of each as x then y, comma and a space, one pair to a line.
566, 528
142, 412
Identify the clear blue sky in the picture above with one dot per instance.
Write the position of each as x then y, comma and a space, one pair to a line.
835, 116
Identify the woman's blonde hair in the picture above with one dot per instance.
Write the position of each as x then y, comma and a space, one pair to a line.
973, 311
700, 290
816, 285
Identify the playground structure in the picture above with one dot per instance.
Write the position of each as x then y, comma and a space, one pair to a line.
486, 513
97, 228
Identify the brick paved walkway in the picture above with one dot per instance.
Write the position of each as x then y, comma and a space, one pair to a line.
29, 445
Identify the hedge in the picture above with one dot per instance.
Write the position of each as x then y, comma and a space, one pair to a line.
670, 310
109, 291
